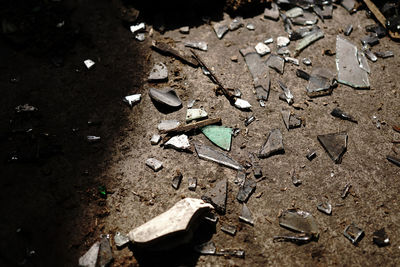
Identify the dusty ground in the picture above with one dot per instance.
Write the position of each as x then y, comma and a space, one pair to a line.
54, 200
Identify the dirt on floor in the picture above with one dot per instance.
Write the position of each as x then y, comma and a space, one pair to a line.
50, 175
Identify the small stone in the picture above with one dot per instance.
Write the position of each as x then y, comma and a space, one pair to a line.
166, 125
180, 142
89, 63
282, 41
155, 164
242, 104
158, 73
307, 61
184, 29
262, 49
269, 41
155, 139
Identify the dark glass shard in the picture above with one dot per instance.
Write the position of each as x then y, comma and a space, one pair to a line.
310, 156
246, 215
348, 29
245, 191
177, 179
192, 183
338, 113
211, 217
376, 28
287, 95
208, 153
384, 54
229, 229
335, 144
394, 160
272, 13
249, 120
273, 145
207, 248
238, 253
346, 190
290, 120
371, 39
353, 233
240, 178
105, 253
380, 238
276, 62
297, 239
320, 82
299, 221
217, 196
302, 74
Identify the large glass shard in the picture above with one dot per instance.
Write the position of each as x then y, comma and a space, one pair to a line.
89, 259
217, 196
166, 96
276, 62
246, 215
273, 145
219, 135
335, 144
160, 232
291, 121
258, 71
309, 39
105, 253
208, 153
299, 221
347, 64
246, 190
353, 233
319, 82
220, 29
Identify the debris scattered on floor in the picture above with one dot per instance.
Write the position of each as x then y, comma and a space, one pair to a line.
262, 49
236, 23
295, 180
208, 153
179, 142
197, 45
155, 139
335, 144
380, 238
246, 190
348, 29
353, 233
177, 179
249, 120
168, 50
297, 239
219, 135
299, 221
192, 183
120, 240
166, 125
89, 63
184, 29
172, 228
291, 121
325, 207
311, 155
93, 138
229, 229
273, 145
189, 127
394, 160
195, 114
246, 215
155, 164
345, 191
105, 253
89, 259
220, 29
286, 95
276, 62
207, 248
320, 82
166, 96
158, 73
131, 100
272, 13
217, 196
338, 113
250, 27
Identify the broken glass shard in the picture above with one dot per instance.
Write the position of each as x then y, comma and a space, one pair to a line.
393, 160
338, 113
310, 156
292, 60
161, 231
284, 51
211, 217
93, 139
155, 164
240, 178
348, 29
276, 62
269, 40
139, 27
335, 144
262, 49
166, 125
207, 248
287, 23
307, 61
236, 23
353, 233
299, 221
362, 60
371, 56
349, 5
306, 19
301, 33
250, 27
158, 73
89, 63
302, 74
177, 179
132, 99
89, 259
192, 183
380, 238
371, 39
155, 139
282, 41
120, 240
346, 190
219, 135
246, 215
295, 180
217, 196
325, 207
220, 30
140, 37
273, 145
184, 29
25, 108
260, 75
385, 54
166, 96
349, 71
291, 121
287, 95
272, 13
297, 239
229, 229
245, 191
309, 39
195, 114
249, 120
294, 12
242, 104
238, 253
197, 45
320, 82
105, 253
376, 28
208, 153
191, 103
180, 142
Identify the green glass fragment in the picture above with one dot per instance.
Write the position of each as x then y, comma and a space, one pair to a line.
102, 191
219, 135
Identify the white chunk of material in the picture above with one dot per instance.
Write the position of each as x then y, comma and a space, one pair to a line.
262, 49
89, 63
